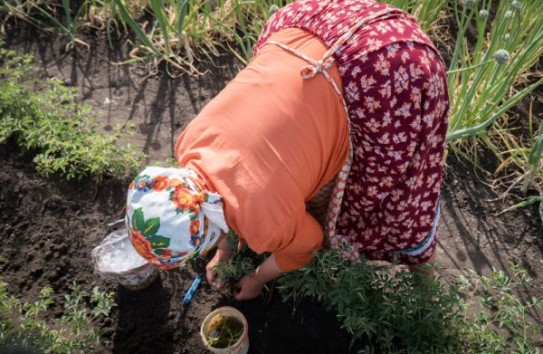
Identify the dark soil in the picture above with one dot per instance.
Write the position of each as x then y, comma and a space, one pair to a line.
50, 226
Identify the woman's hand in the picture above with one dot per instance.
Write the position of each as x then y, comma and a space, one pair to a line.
249, 287
211, 275
222, 254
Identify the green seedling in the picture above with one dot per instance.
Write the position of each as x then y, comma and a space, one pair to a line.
26, 325
242, 262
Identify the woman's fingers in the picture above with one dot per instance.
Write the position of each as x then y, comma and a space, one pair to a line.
239, 293
248, 287
210, 276
210, 271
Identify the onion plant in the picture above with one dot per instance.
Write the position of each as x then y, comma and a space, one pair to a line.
533, 176
183, 28
251, 17
178, 30
63, 15
526, 158
533, 161
427, 12
482, 79
168, 37
492, 76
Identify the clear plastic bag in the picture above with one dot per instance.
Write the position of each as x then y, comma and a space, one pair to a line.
116, 259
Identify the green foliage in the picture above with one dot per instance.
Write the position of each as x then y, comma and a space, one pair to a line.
489, 74
399, 313
404, 312
25, 325
427, 12
502, 324
534, 156
242, 262
533, 167
410, 313
61, 16
50, 122
482, 74
180, 30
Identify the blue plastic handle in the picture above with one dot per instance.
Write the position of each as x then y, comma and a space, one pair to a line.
193, 287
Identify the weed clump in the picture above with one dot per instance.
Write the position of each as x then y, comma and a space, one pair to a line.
51, 124
402, 312
398, 312
25, 325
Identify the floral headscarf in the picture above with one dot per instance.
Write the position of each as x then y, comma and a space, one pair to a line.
171, 216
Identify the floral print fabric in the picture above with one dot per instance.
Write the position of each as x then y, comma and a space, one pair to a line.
394, 86
171, 216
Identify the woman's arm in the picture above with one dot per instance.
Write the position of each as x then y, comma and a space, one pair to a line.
250, 286
294, 255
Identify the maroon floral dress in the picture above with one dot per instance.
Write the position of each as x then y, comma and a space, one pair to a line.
394, 90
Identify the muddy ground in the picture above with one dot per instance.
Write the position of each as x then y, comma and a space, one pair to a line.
50, 226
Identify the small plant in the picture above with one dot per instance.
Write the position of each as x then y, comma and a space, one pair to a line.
242, 262
50, 123
25, 325
503, 325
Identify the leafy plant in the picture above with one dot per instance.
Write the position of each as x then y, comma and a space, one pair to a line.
397, 311
242, 262
401, 312
503, 325
25, 325
61, 132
